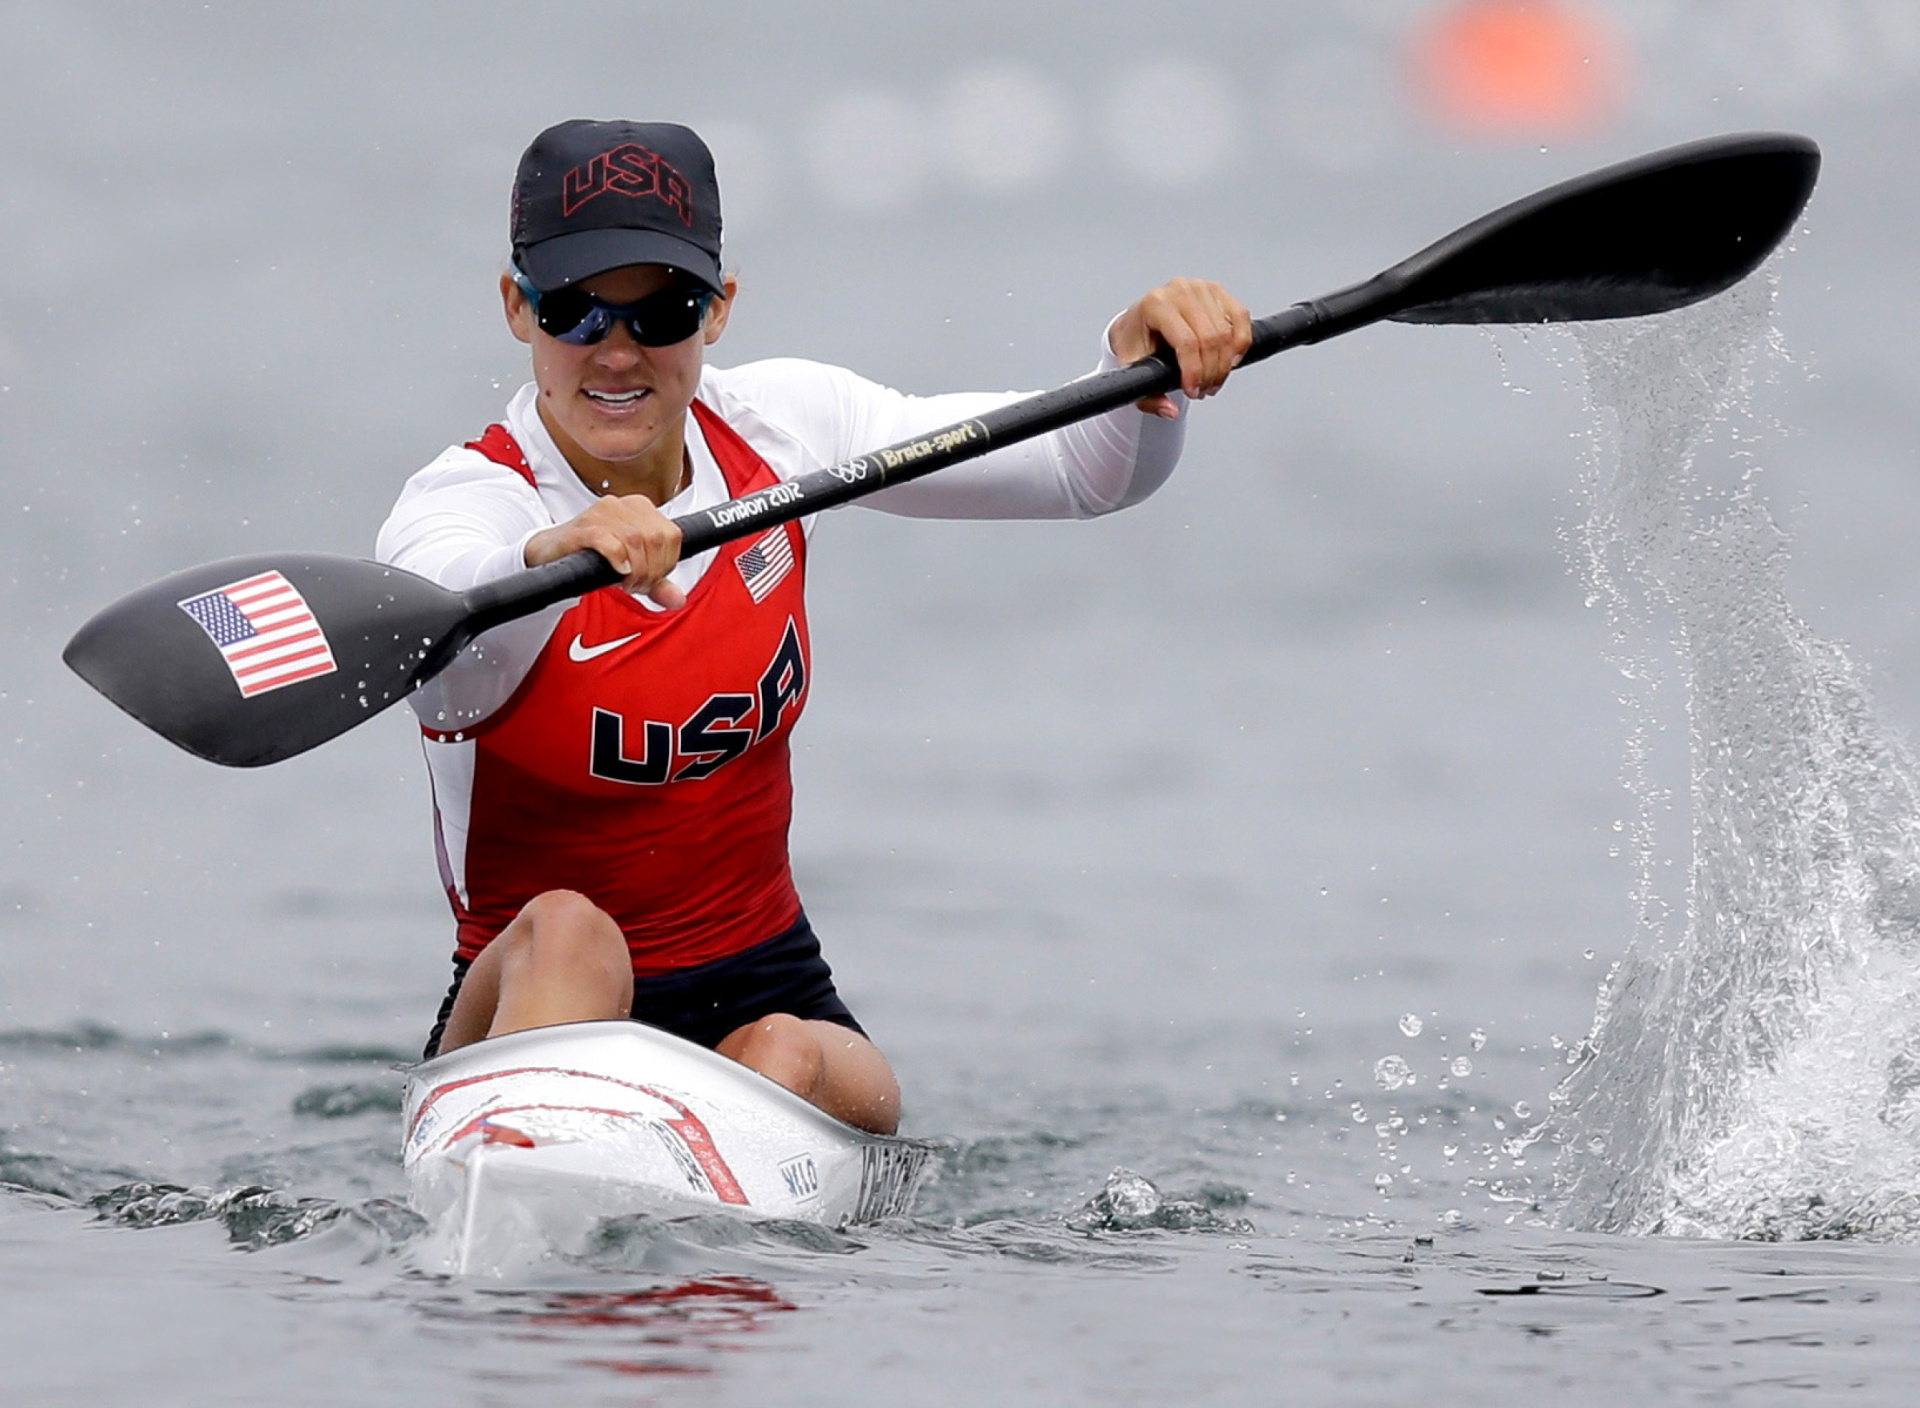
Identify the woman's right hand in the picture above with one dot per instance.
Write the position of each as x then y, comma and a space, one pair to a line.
629, 532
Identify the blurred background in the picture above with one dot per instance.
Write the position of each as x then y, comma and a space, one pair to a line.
1143, 842
1321, 735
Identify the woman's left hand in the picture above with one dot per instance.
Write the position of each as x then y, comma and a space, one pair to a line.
1206, 328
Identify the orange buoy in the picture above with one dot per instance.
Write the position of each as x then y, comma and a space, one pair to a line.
1520, 68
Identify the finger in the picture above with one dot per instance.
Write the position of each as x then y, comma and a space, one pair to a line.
609, 545
1242, 331
1213, 314
656, 552
1178, 333
1218, 353
1162, 406
667, 593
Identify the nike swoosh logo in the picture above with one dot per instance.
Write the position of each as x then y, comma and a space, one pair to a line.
581, 652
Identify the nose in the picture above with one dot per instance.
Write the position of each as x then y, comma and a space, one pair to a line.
618, 348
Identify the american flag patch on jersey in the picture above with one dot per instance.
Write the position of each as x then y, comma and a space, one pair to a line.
264, 631
765, 562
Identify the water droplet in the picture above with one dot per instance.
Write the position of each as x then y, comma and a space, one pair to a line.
1522, 1110
1383, 1181
1477, 1038
1391, 1072
1460, 1066
1411, 1025
1359, 1113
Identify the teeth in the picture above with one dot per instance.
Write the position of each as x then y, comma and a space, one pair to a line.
618, 398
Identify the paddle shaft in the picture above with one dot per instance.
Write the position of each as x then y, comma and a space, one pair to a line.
578, 573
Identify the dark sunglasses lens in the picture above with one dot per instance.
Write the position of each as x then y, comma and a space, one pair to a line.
572, 316
658, 320
670, 316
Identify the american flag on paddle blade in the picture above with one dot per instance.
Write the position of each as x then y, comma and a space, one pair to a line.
265, 632
765, 562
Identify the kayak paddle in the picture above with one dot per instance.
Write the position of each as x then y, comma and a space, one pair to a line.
256, 659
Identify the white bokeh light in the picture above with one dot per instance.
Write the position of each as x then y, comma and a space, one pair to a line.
1004, 127
1337, 106
869, 151
1172, 123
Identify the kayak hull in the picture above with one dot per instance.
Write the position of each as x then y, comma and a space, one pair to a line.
519, 1147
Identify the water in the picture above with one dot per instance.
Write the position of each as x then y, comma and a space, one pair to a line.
1752, 1068
1137, 844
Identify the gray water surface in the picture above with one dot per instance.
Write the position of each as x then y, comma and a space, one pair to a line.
1135, 843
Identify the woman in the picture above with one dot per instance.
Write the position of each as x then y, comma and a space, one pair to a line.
610, 777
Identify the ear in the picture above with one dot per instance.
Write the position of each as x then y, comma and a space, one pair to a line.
519, 309
720, 309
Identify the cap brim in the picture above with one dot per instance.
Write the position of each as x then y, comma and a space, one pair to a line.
567, 259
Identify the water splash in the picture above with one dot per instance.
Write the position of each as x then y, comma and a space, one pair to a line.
1759, 1075
1131, 1203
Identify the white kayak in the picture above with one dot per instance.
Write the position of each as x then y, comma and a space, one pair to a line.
519, 1146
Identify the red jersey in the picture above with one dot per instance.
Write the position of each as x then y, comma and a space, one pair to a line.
643, 761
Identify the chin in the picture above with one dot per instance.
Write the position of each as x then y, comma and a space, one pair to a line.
615, 450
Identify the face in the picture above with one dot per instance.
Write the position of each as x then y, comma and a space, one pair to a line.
615, 403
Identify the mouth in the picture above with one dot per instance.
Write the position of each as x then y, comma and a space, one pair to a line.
617, 400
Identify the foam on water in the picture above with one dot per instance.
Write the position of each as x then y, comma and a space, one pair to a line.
1756, 1074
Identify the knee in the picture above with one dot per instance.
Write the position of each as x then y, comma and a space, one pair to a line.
565, 928
562, 909
782, 1048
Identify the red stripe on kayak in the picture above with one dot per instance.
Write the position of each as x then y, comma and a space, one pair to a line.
690, 1128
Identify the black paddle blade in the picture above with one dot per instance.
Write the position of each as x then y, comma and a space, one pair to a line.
255, 659
1646, 236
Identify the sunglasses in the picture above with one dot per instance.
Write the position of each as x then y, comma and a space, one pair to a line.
573, 315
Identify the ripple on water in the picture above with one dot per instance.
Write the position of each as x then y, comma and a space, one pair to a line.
254, 1217
334, 1102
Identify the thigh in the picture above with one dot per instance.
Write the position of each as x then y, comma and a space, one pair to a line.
479, 996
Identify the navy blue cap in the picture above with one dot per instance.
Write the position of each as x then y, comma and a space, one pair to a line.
593, 196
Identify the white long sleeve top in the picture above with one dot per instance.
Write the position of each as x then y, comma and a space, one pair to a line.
464, 520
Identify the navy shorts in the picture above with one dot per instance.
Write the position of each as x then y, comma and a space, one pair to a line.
707, 1003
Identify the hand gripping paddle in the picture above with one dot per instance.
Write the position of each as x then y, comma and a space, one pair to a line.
256, 659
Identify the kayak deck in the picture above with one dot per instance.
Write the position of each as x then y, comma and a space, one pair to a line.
519, 1146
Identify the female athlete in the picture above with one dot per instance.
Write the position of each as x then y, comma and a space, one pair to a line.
610, 778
